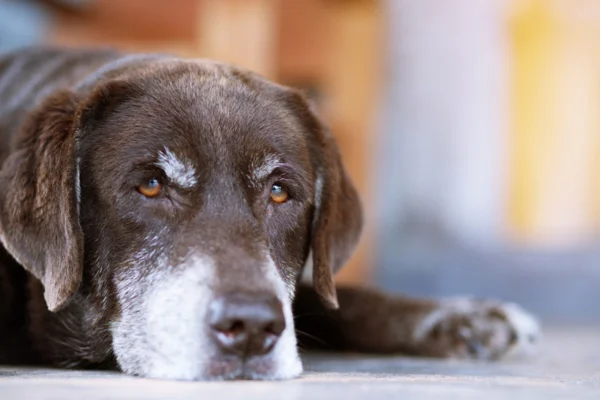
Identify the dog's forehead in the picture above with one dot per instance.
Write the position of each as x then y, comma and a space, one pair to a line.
215, 113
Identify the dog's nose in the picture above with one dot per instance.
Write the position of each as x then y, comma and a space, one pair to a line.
246, 325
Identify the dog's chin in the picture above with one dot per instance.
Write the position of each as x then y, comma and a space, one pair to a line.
231, 368
268, 369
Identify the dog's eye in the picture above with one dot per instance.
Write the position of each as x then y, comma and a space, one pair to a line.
151, 188
279, 194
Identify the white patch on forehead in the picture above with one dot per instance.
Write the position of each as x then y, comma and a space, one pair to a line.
264, 168
223, 81
177, 170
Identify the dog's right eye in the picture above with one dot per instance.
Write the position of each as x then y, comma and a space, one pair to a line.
279, 194
151, 188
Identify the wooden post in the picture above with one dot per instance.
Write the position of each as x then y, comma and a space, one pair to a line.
556, 133
351, 91
243, 32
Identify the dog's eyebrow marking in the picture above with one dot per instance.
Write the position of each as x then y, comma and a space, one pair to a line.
177, 170
264, 168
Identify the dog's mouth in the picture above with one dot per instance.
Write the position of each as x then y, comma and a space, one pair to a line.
255, 368
278, 364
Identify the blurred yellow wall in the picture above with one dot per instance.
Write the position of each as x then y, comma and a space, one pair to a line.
555, 177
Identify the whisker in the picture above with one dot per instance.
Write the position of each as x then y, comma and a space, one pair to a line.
308, 335
309, 315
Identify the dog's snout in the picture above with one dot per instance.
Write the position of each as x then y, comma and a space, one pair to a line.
246, 325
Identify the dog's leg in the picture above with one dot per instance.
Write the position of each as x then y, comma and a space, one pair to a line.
370, 321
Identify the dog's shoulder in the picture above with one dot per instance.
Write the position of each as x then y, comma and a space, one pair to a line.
29, 76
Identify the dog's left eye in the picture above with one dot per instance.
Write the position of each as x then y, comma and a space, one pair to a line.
279, 194
151, 188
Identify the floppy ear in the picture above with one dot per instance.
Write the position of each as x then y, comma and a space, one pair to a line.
39, 221
338, 218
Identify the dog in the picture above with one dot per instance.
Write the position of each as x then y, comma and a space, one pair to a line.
157, 215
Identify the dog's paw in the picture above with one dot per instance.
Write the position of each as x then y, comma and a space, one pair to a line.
469, 328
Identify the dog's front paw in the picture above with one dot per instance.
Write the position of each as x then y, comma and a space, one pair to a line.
471, 328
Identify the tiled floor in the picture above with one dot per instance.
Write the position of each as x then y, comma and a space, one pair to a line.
568, 367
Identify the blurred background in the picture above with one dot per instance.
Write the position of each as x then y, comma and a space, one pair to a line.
471, 127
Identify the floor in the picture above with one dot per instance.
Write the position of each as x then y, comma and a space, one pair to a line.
419, 266
568, 367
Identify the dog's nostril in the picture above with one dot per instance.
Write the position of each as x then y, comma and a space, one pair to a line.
276, 328
235, 329
246, 325
271, 329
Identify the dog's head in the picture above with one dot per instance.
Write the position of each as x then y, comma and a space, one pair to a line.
181, 199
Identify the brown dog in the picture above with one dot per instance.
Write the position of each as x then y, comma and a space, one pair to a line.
157, 214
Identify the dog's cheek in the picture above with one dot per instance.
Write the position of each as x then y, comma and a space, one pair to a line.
161, 332
127, 328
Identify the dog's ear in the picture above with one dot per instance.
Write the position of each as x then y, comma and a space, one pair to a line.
39, 224
40, 195
338, 218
